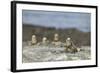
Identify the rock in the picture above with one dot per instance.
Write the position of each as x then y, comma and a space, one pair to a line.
75, 58
52, 53
61, 57
34, 40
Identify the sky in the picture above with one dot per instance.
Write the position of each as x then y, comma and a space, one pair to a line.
62, 20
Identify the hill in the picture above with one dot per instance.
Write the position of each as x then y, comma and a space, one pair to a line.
80, 38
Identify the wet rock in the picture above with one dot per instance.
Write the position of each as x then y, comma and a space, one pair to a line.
75, 58
52, 53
